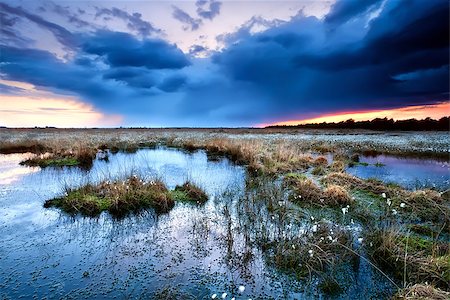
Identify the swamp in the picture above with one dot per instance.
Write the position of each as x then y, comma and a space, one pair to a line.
224, 214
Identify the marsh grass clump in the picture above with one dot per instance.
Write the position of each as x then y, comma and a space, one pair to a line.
411, 258
117, 197
23, 147
189, 192
336, 195
351, 182
319, 171
320, 161
316, 252
304, 190
428, 205
337, 166
82, 157
421, 292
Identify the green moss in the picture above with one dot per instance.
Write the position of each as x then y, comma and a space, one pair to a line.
178, 195
417, 243
319, 171
423, 229
330, 286
296, 176
51, 162
189, 192
378, 164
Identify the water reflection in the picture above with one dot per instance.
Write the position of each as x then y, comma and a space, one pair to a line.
11, 171
195, 250
412, 173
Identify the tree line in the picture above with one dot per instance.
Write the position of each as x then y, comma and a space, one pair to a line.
428, 124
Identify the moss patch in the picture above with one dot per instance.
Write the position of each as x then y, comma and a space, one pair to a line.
50, 162
189, 192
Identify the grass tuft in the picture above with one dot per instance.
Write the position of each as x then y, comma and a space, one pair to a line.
189, 192
117, 197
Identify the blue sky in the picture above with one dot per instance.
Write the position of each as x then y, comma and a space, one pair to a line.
217, 63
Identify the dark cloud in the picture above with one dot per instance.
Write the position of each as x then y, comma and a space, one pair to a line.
172, 83
64, 11
299, 72
362, 55
342, 11
122, 49
132, 76
8, 34
182, 16
134, 20
64, 36
208, 9
108, 68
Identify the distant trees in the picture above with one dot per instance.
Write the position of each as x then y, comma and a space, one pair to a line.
386, 124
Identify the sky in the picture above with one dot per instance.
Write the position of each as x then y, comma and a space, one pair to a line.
221, 63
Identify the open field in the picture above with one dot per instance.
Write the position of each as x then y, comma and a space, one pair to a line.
202, 213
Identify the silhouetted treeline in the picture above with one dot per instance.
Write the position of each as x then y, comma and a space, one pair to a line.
427, 124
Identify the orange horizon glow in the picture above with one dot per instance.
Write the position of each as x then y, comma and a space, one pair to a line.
435, 111
40, 108
20, 111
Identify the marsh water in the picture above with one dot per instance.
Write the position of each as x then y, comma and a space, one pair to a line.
411, 173
193, 251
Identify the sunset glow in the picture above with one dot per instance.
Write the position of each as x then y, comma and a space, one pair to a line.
19, 111
412, 112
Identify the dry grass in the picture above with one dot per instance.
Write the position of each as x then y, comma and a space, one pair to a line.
337, 166
335, 195
421, 292
25, 146
351, 182
81, 156
428, 205
321, 161
305, 191
411, 259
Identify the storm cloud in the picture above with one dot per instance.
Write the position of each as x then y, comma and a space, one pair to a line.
362, 55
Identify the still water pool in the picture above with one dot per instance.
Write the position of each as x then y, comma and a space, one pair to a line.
411, 173
193, 251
